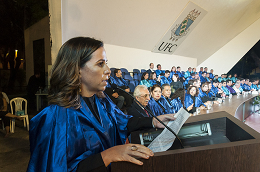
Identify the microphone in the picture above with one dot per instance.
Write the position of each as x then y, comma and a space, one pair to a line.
114, 86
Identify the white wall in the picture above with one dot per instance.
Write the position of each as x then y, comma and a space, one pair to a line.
37, 31
131, 58
226, 57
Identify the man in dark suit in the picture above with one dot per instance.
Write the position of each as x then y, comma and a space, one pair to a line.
150, 70
141, 94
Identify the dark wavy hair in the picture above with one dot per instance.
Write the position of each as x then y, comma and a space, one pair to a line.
142, 78
154, 86
180, 92
64, 82
197, 90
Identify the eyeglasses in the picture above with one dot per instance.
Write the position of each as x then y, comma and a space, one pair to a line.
146, 95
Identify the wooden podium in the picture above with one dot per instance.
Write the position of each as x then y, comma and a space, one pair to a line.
233, 146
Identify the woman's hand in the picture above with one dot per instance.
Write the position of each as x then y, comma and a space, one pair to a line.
164, 118
126, 153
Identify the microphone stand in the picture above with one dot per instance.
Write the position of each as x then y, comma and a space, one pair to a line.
115, 86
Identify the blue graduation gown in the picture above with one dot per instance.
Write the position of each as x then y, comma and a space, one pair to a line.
211, 76
225, 90
246, 87
165, 80
167, 105
119, 81
176, 103
156, 108
188, 101
152, 82
146, 83
158, 72
180, 74
62, 137
187, 74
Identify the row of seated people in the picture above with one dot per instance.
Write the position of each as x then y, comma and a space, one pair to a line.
124, 100
160, 100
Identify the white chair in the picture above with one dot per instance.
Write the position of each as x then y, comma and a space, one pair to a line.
17, 104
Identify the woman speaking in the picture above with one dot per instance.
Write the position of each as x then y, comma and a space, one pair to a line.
82, 129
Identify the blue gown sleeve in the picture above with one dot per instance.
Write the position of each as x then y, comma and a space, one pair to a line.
48, 141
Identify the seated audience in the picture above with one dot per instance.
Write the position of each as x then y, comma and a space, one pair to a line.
214, 89
203, 77
203, 94
179, 73
192, 76
159, 70
221, 93
215, 78
144, 80
234, 78
224, 88
154, 103
229, 77
254, 85
153, 80
142, 95
211, 74
165, 98
229, 87
176, 83
178, 100
245, 86
123, 84
206, 69
192, 99
237, 88
166, 79
207, 77
201, 70
150, 70
114, 95
187, 73
221, 78
173, 71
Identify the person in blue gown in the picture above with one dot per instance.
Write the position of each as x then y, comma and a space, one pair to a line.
166, 79
211, 74
82, 129
173, 71
234, 78
145, 81
165, 98
159, 70
187, 73
224, 88
177, 100
203, 93
153, 80
192, 99
154, 104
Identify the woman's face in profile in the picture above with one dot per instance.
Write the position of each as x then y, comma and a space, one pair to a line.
156, 93
94, 74
146, 76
